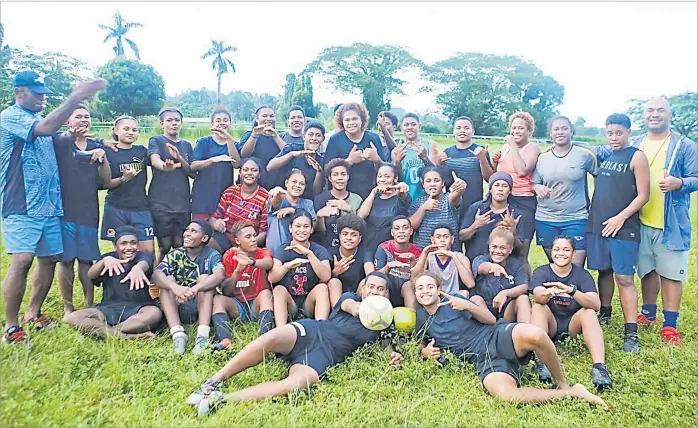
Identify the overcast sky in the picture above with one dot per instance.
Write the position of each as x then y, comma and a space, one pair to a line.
602, 53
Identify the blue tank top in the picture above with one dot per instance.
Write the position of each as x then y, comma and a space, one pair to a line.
412, 166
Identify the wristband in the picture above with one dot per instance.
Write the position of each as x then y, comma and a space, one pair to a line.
574, 290
122, 180
254, 262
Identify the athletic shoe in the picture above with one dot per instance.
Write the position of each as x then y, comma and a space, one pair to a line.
643, 320
604, 318
14, 334
543, 373
204, 390
632, 343
179, 342
671, 335
200, 344
600, 377
222, 345
208, 404
39, 322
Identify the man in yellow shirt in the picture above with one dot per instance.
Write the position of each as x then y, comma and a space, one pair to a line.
665, 231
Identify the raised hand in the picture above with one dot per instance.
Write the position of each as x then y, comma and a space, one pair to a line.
395, 264
220, 224
442, 158
340, 204
113, 266
509, 139
509, 222
283, 212
341, 266
495, 159
222, 158
270, 131
258, 130
295, 263
173, 151
399, 153
327, 211
97, 156
371, 154
299, 153
455, 302
481, 153
670, 183
355, 156
79, 132
401, 187
277, 194
458, 184
221, 134
430, 248
431, 204
314, 163
431, 351
137, 278
422, 152
87, 89
445, 253
482, 220
169, 165
299, 249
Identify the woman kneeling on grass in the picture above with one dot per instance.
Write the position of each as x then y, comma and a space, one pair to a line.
497, 348
310, 347
566, 305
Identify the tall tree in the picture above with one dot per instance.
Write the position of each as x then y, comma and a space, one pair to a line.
580, 122
220, 63
118, 33
489, 88
135, 89
684, 109
303, 95
287, 99
369, 70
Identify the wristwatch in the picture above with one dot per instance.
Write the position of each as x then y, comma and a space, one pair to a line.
254, 262
574, 290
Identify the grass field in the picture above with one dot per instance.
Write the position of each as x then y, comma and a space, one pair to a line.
64, 379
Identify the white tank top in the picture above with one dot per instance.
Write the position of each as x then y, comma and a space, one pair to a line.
450, 281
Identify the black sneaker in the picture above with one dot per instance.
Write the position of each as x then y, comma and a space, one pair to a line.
543, 373
600, 377
632, 343
604, 318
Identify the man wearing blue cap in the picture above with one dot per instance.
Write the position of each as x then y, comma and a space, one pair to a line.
30, 193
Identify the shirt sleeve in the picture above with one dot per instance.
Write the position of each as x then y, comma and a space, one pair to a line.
380, 259
215, 261
189, 156
537, 278
476, 264
229, 263
223, 204
166, 265
279, 253
520, 276
536, 178
586, 282
469, 217
19, 123
591, 165
414, 206
264, 217
200, 150
332, 151
322, 253
243, 140
154, 147
308, 206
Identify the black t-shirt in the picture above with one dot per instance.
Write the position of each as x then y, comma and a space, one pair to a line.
478, 244
488, 286
330, 236
265, 149
379, 220
564, 305
301, 280
351, 278
170, 191
362, 176
302, 164
117, 293
79, 182
210, 182
290, 139
466, 165
130, 195
343, 332
455, 330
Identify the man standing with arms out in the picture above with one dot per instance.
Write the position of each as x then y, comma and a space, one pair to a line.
169, 192
413, 155
665, 231
296, 125
30, 193
82, 167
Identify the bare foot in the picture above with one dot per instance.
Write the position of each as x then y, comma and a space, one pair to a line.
580, 391
66, 314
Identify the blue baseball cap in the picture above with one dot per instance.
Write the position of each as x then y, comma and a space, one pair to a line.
31, 80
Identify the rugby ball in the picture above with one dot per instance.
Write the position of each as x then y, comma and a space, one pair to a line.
405, 319
376, 313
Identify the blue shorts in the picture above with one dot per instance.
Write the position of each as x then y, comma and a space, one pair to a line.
40, 236
79, 242
612, 254
114, 218
546, 231
310, 348
245, 309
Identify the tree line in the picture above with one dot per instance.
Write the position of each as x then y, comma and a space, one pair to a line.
486, 87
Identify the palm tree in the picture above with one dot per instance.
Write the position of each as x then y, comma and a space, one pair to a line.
221, 64
118, 31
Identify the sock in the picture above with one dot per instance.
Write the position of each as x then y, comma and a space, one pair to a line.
670, 318
606, 311
203, 331
630, 327
649, 311
221, 325
266, 323
599, 365
177, 330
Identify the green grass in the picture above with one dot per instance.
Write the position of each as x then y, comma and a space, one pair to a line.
64, 379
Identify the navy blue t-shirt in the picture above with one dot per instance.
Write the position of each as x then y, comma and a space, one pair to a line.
290, 140
455, 330
466, 165
564, 305
130, 195
351, 278
488, 286
170, 191
344, 332
211, 181
79, 182
479, 243
301, 280
302, 164
362, 176
379, 220
115, 292
265, 150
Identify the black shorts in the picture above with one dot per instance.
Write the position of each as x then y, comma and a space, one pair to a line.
310, 348
563, 328
499, 314
500, 355
170, 224
525, 206
188, 311
300, 305
395, 289
116, 313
